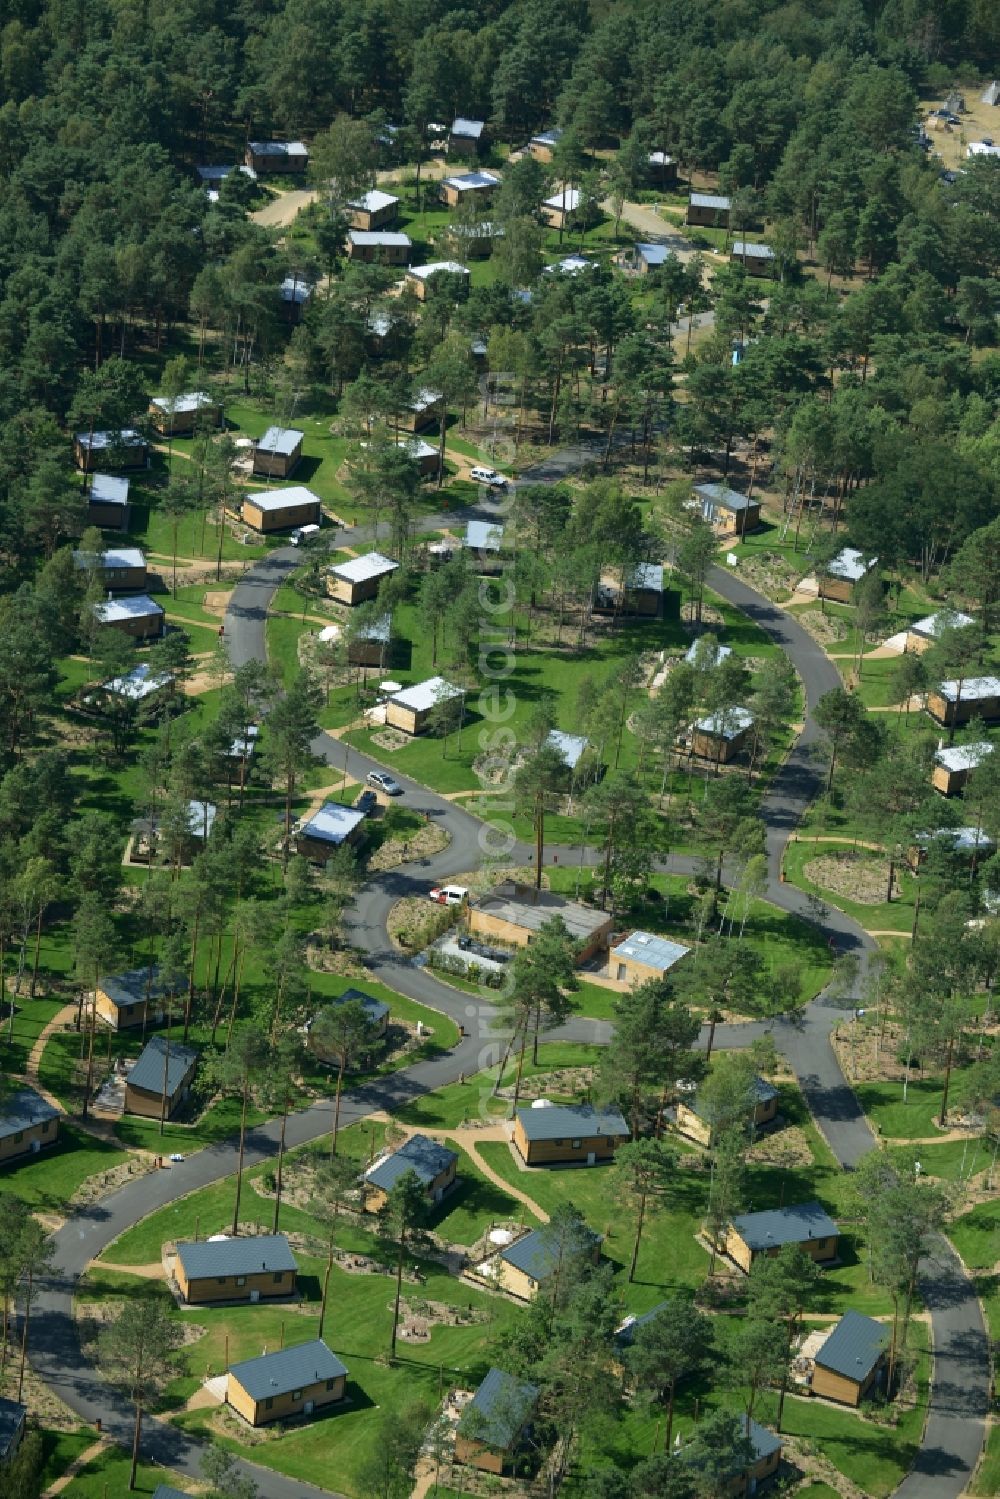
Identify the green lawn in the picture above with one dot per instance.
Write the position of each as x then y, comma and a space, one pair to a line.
47, 1181
108, 1475
987, 1477
451, 1106
31, 1016
877, 917
916, 1118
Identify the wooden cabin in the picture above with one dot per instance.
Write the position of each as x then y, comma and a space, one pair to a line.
422, 412
852, 1360
928, 631
523, 1268
121, 568
568, 1134
756, 259
466, 138
276, 455
421, 279
375, 210
270, 510
329, 828
492, 1426
124, 449
483, 544
642, 956
662, 168
435, 1166
424, 454
765, 1459
379, 246
260, 1268
13, 1424
137, 615
161, 1068
28, 1122
134, 998
512, 914
468, 187
558, 210
270, 158
178, 417
411, 709
728, 512
956, 702
642, 595
720, 737
357, 580
955, 763
808, 1225
709, 210
289, 1382
840, 577
370, 645
107, 503
691, 1119
543, 146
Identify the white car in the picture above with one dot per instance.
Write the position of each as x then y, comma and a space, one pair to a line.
449, 895
489, 476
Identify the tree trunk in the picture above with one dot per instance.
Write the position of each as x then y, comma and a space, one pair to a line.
239, 1168
399, 1290
336, 1106
281, 1163
137, 1433
638, 1237
24, 1332
942, 1117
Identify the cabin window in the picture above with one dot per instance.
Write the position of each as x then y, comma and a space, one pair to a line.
296, 1394
222, 1279
576, 1144
241, 1280
278, 1277
330, 1384
46, 1126
269, 1402
820, 1243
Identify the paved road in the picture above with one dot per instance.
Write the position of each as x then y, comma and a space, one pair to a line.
956, 1424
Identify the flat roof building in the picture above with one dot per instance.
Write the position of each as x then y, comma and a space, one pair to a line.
728, 512
513, 914
178, 416
421, 278
384, 246
277, 156
373, 210
277, 453
721, 736
838, 579
709, 209
644, 955
955, 702
924, 632
270, 510
954, 764
410, 709
570, 747
107, 502
756, 259
126, 448
466, 137
138, 616
357, 580
331, 826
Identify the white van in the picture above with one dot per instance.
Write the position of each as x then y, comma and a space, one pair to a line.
303, 534
449, 895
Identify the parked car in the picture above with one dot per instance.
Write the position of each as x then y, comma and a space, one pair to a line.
449, 895
303, 534
382, 781
489, 476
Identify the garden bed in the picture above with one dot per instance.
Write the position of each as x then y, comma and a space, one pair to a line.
856, 876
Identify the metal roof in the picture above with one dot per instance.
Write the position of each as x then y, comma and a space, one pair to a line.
113, 557
470, 129
625, 1334
933, 625
278, 148
570, 265
434, 267
137, 684
973, 689
502, 1406
470, 182
105, 489
483, 536
129, 988
569, 746
537, 1253
763, 1443
281, 499
548, 137
424, 1156
23, 1109
201, 818
416, 448
762, 1090
533, 908
964, 756
854, 1346
424, 695
361, 569
653, 254
646, 577
379, 237
726, 724
97, 442
646, 947
377, 629
982, 148
850, 565
194, 400
155, 1057
742, 247
962, 840
220, 173
12, 1417
719, 653
139, 606
660, 159
425, 397
204, 1258
791, 1225
375, 1009
296, 289
373, 201
333, 823
280, 440
570, 1121
568, 202
287, 1369
709, 200
721, 496
244, 744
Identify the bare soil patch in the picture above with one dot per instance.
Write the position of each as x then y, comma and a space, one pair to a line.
711, 619
856, 876
771, 574
786, 1147
391, 739
825, 629
428, 840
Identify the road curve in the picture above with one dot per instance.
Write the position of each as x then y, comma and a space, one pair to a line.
956, 1422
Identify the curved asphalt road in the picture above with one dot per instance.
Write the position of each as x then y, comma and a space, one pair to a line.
956, 1423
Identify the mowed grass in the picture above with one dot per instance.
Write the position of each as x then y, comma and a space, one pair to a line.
896, 916
47, 1181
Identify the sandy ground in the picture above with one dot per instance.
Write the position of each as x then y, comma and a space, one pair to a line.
283, 209
978, 121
